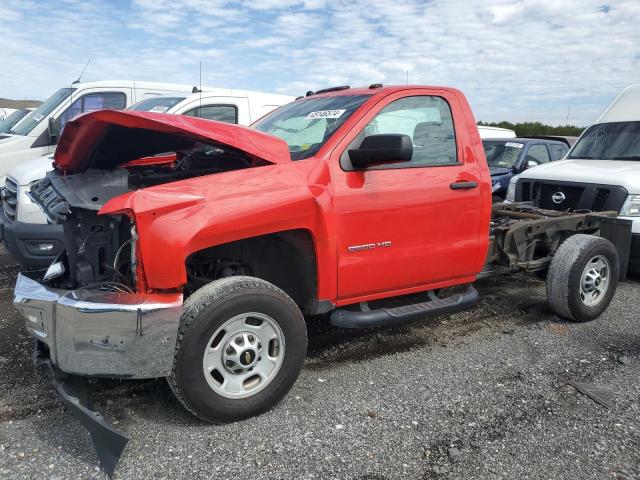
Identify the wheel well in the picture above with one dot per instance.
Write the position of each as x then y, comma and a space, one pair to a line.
286, 259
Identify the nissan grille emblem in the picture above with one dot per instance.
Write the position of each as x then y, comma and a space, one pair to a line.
558, 197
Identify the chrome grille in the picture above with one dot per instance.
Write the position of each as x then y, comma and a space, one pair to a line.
10, 199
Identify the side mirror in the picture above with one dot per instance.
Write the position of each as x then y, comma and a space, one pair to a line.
382, 148
53, 130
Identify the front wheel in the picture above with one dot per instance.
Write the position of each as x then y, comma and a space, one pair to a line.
241, 345
582, 277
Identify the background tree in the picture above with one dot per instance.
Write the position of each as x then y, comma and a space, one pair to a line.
536, 128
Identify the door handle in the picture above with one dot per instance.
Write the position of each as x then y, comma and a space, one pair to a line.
463, 185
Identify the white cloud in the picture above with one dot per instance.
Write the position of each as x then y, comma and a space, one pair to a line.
515, 60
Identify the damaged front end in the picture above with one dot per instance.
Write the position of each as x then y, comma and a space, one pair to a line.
92, 313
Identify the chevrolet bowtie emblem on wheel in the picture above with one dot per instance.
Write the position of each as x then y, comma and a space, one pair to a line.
558, 197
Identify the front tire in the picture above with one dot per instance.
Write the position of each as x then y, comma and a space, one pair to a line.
582, 277
241, 345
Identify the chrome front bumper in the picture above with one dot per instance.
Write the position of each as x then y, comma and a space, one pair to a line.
90, 332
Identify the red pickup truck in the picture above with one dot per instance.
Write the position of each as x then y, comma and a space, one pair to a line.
194, 248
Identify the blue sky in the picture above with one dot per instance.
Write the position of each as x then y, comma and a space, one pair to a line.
515, 60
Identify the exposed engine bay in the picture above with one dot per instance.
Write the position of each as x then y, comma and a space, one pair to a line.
100, 249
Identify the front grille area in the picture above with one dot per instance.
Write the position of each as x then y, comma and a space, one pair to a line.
570, 196
544, 194
600, 201
10, 199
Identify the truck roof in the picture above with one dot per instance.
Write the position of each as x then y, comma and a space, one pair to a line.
374, 89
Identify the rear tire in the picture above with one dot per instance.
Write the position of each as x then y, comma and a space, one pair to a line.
241, 345
582, 277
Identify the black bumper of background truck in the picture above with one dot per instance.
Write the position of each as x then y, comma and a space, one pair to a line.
21, 240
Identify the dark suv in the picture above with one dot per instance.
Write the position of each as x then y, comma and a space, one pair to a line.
507, 157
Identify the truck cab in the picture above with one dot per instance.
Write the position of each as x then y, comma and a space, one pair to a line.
30, 237
601, 172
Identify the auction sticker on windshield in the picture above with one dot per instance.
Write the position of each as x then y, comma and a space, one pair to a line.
514, 145
326, 114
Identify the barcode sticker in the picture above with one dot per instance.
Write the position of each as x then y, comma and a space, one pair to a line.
326, 114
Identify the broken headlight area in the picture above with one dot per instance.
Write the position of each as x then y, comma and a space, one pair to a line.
98, 249
99, 253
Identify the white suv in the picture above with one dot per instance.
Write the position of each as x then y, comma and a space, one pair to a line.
600, 173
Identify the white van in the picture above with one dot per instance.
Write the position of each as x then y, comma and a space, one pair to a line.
601, 172
25, 230
38, 132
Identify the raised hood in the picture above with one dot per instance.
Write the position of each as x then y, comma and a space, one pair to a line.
108, 138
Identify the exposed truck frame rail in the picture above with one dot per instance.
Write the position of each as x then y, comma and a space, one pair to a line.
524, 237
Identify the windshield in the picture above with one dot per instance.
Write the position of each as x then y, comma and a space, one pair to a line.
42, 112
10, 122
156, 104
501, 153
609, 141
307, 124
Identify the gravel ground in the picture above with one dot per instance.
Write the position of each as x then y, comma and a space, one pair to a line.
475, 395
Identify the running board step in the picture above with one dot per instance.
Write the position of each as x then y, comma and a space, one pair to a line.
405, 313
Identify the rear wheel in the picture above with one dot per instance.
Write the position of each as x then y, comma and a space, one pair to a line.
241, 345
582, 277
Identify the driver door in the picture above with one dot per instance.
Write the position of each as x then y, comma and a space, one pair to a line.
404, 226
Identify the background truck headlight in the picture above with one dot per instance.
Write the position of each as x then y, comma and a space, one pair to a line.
631, 207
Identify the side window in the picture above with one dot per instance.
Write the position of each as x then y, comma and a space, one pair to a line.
558, 151
93, 102
429, 123
537, 153
220, 113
